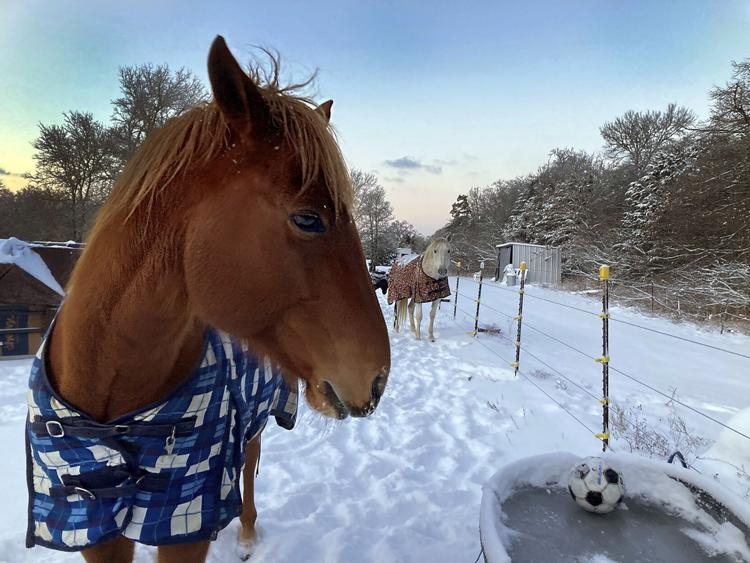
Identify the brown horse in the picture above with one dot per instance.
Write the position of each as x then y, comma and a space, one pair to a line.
236, 216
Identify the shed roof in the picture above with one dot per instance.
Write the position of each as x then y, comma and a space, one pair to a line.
19, 253
524, 244
33, 274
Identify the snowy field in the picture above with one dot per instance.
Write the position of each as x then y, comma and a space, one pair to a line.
405, 484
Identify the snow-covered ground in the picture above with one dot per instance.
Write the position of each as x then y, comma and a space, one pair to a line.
405, 484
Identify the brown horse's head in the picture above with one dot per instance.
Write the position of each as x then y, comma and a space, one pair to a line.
271, 253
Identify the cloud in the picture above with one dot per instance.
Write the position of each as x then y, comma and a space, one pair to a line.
407, 164
6, 172
396, 179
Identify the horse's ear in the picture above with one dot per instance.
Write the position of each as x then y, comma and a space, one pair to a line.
236, 95
324, 109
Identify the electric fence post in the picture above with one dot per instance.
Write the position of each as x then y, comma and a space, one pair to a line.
604, 359
455, 297
479, 298
522, 284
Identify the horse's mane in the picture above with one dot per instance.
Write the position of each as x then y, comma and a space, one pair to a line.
201, 134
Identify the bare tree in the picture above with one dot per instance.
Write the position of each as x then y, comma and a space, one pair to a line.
373, 215
638, 136
150, 95
731, 110
362, 183
76, 159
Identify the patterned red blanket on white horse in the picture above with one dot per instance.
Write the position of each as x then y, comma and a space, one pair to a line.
409, 280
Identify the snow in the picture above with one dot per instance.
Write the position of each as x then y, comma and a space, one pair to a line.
649, 482
405, 485
20, 253
728, 459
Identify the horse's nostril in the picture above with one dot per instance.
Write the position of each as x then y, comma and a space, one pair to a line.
378, 386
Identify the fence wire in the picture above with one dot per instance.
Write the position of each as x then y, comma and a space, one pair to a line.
556, 371
675, 400
614, 319
541, 389
589, 356
696, 342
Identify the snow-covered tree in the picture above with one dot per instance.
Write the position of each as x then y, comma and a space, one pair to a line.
561, 206
645, 227
461, 211
637, 136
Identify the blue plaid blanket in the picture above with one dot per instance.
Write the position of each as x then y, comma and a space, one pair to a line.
168, 473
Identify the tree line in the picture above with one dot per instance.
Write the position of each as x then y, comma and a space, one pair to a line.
78, 160
667, 199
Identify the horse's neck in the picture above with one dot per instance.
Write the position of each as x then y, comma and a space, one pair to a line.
124, 337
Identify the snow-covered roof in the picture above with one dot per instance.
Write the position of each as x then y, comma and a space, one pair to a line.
20, 253
56, 244
522, 244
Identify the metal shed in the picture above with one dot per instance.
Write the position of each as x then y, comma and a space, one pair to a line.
544, 262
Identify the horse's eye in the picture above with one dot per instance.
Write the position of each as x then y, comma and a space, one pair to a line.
308, 222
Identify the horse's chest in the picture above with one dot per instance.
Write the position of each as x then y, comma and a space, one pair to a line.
167, 473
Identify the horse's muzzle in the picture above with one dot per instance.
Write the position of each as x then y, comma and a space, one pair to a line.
343, 410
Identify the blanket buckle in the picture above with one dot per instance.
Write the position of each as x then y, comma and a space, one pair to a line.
54, 428
169, 442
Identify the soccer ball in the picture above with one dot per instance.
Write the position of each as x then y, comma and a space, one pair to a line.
595, 486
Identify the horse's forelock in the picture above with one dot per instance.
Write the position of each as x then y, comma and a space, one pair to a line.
432, 260
201, 134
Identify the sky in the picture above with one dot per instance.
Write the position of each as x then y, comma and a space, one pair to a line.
433, 97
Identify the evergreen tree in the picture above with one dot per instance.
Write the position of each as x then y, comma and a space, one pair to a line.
461, 211
645, 237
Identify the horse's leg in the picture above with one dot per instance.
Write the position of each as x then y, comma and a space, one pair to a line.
411, 316
117, 550
195, 552
249, 515
419, 321
433, 312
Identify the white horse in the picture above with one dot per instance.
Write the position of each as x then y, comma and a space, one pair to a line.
417, 280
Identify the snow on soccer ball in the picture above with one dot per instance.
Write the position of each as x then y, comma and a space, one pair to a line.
595, 486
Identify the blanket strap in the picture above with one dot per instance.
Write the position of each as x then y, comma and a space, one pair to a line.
78, 428
109, 483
